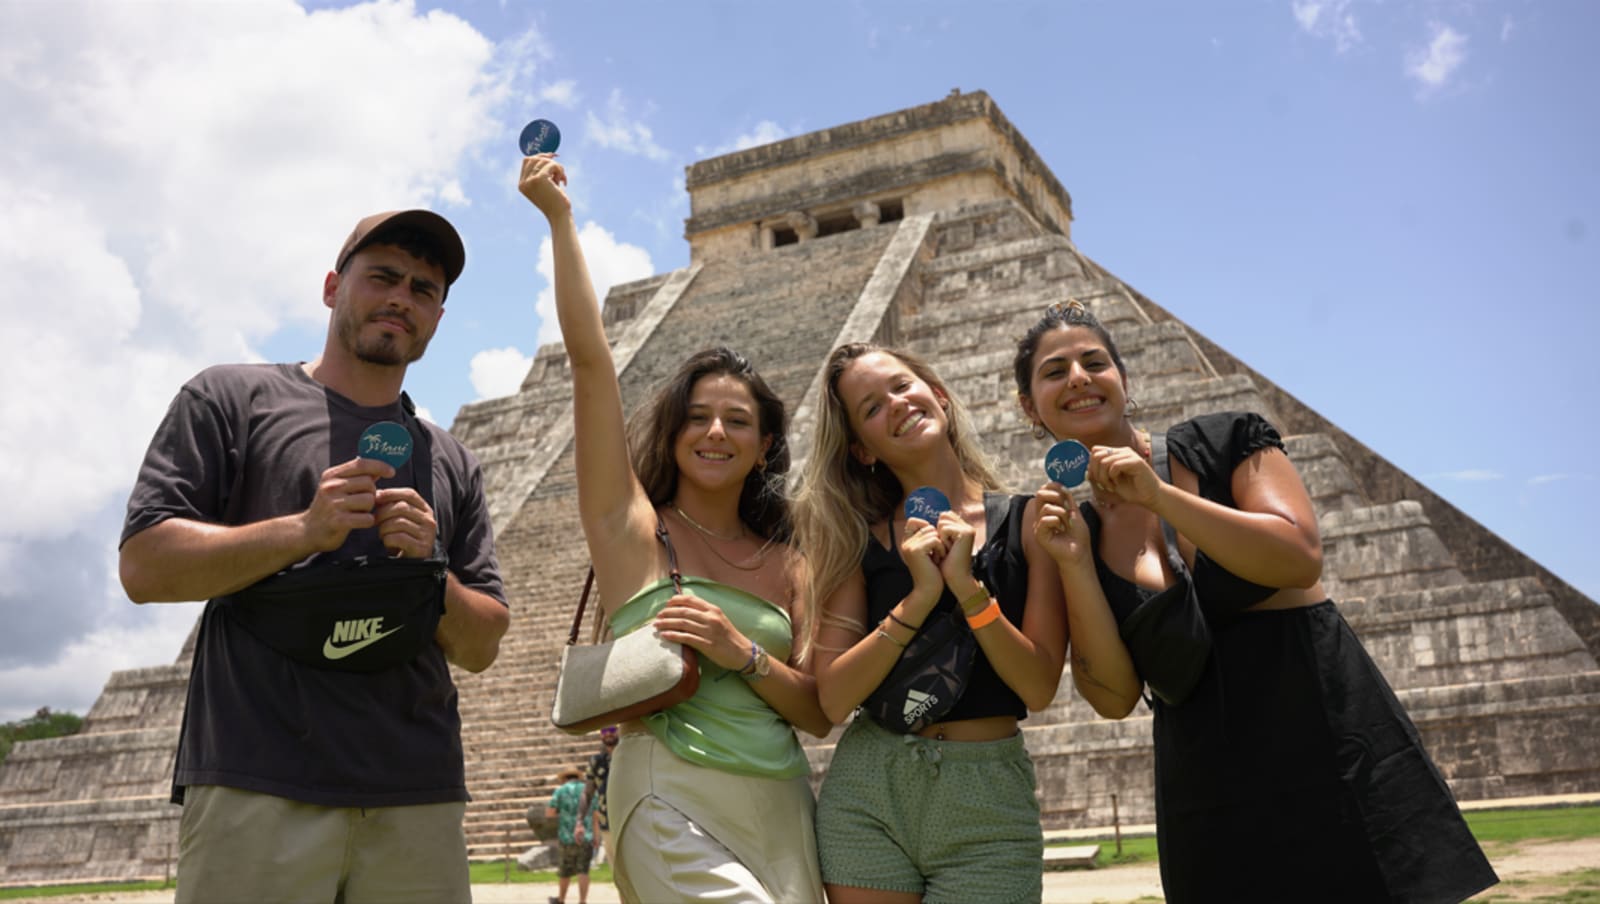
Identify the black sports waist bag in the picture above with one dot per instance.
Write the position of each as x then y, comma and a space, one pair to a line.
360, 615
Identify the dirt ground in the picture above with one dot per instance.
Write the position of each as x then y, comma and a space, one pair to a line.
1534, 867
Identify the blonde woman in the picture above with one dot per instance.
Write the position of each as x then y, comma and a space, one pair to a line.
708, 800
947, 813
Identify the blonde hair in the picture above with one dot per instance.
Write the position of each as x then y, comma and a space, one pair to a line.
839, 498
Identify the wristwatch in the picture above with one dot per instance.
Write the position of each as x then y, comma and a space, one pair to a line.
760, 664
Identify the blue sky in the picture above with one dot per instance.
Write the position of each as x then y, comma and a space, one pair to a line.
1388, 208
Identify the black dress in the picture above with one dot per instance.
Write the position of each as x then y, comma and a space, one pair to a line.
1292, 773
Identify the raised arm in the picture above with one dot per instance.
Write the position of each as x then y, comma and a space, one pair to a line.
617, 516
1270, 539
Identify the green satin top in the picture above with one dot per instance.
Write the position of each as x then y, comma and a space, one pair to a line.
725, 725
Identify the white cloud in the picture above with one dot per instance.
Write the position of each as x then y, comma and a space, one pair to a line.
499, 372
1469, 474
610, 262
170, 202
1434, 64
619, 132
765, 132
1330, 20
1541, 479
563, 93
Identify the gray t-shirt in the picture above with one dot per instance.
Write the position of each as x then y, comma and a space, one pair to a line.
242, 443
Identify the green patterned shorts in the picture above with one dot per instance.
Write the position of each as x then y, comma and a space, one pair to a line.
950, 820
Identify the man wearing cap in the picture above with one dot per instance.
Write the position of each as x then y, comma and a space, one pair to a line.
594, 791
320, 755
574, 834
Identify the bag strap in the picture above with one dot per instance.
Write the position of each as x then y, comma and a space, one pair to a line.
1163, 465
588, 582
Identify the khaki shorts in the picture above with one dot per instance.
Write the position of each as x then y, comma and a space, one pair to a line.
241, 846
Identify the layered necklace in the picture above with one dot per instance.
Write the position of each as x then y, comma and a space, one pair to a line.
755, 561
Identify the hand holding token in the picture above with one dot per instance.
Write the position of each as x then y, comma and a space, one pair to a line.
346, 495
1059, 528
405, 522
541, 181
1123, 475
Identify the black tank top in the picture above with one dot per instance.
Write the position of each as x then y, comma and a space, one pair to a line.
1001, 565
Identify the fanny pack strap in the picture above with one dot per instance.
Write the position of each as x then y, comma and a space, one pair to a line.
1163, 466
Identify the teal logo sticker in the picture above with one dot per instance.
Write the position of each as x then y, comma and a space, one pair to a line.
926, 503
1067, 462
539, 137
386, 441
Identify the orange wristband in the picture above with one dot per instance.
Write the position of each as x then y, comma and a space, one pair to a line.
987, 615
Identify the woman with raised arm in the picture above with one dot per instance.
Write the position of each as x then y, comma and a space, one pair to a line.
708, 799
1289, 772
946, 812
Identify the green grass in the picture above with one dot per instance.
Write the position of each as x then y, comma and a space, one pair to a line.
43, 891
493, 872
1553, 824
1579, 887
1497, 830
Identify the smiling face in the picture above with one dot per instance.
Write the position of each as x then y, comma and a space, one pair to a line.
721, 439
386, 305
1075, 388
893, 413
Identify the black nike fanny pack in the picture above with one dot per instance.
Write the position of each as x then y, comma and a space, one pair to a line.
359, 615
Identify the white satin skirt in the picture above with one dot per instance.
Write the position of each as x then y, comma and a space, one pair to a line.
688, 833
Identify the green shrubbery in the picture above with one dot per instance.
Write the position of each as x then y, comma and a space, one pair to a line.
43, 724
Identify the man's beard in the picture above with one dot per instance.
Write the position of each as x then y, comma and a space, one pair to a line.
384, 350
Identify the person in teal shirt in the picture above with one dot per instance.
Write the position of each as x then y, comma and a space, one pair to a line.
576, 852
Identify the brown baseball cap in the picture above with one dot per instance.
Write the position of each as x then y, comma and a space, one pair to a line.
453, 255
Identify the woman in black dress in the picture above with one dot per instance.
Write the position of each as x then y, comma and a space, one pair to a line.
1290, 772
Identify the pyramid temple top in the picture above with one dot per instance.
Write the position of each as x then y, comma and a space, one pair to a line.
957, 151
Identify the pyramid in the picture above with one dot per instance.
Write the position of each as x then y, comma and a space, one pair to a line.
938, 229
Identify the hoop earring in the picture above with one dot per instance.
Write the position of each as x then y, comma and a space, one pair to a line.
1131, 407
1038, 430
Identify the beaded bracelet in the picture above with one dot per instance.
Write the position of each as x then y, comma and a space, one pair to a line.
749, 668
988, 614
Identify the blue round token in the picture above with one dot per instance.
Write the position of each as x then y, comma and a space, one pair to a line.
386, 441
1067, 462
926, 503
539, 137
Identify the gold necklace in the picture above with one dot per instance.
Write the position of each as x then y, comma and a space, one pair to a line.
706, 530
759, 558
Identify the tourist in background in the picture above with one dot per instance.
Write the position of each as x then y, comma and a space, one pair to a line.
1292, 746
594, 789
708, 799
575, 835
947, 813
